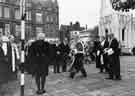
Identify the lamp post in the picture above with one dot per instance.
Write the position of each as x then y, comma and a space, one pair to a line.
23, 15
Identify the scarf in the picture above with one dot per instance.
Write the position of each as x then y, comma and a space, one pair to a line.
14, 51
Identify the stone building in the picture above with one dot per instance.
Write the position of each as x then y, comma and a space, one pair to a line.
41, 16
66, 29
120, 23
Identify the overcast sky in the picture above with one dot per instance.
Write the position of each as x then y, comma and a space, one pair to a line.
85, 11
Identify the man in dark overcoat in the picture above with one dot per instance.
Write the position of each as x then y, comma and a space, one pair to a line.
114, 60
40, 61
65, 49
97, 51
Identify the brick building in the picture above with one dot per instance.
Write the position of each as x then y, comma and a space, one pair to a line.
42, 16
66, 29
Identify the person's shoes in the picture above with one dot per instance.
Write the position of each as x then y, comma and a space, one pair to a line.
39, 92
43, 91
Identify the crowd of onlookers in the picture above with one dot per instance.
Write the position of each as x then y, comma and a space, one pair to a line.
64, 56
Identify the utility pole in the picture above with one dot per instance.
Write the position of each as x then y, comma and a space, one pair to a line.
23, 16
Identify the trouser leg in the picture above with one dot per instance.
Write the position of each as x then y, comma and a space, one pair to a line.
37, 79
64, 68
101, 68
43, 80
84, 73
58, 67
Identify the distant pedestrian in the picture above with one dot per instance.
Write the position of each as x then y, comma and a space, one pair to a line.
40, 60
65, 50
57, 67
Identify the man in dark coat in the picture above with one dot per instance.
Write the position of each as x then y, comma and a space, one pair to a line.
65, 49
97, 51
114, 60
57, 57
40, 61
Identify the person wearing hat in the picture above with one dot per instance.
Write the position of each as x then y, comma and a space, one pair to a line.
39, 51
114, 60
79, 56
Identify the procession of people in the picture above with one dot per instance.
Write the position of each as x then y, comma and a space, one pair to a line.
40, 54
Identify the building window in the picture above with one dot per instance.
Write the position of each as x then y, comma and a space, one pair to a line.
28, 4
39, 18
51, 18
28, 15
47, 18
18, 30
29, 32
39, 29
7, 29
6, 12
17, 2
0, 11
17, 14
123, 34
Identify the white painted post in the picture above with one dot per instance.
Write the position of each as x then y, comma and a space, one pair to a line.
22, 14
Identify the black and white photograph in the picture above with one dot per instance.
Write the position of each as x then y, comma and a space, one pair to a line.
67, 47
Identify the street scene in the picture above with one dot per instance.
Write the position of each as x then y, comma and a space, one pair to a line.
67, 48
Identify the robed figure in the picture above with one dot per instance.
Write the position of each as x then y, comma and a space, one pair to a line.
97, 51
114, 60
104, 56
10, 58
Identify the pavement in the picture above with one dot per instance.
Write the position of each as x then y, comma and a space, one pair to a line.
93, 85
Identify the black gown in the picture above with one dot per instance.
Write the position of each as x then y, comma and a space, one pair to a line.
6, 73
39, 58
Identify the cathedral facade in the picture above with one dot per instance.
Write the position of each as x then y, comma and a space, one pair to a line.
120, 23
